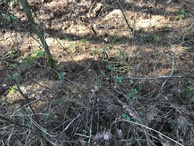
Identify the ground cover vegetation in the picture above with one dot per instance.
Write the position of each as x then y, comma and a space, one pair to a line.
97, 72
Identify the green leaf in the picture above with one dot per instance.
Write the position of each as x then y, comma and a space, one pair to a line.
119, 79
11, 18
126, 117
84, 41
38, 54
103, 73
155, 37
131, 94
181, 11
133, 141
61, 76
137, 120
110, 67
59, 101
122, 53
13, 89
14, 65
15, 76
181, 14
47, 115
68, 39
8, 18
101, 50
28, 60
98, 82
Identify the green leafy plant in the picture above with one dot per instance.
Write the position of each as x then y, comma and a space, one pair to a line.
94, 52
10, 54
165, 25
21, 116
61, 76
113, 37
74, 48
126, 117
68, 39
47, 116
38, 54
102, 73
119, 79
104, 52
84, 41
121, 52
59, 101
181, 14
14, 65
137, 120
110, 67
11, 18
131, 94
27, 60
13, 89
155, 37
15, 76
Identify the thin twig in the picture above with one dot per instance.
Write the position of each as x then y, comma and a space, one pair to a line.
170, 75
153, 78
14, 122
122, 10
71, 122
143, 126
21, 92
91, 123
67, 52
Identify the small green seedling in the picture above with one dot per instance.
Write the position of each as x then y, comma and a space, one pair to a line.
61, 76
15, 76
110, 67
11, 18
47, 116
73, 47
14, 65
131, 94
84, 41
155, 37
181, 14
126, 117
38, 54
13, 89
119, 79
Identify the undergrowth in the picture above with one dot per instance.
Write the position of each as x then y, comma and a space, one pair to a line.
136, 95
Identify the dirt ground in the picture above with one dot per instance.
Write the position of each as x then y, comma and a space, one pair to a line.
126, 73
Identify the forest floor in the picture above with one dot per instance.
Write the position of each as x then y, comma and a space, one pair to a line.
125, 68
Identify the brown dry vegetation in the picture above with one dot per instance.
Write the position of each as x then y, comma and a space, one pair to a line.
115, 87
